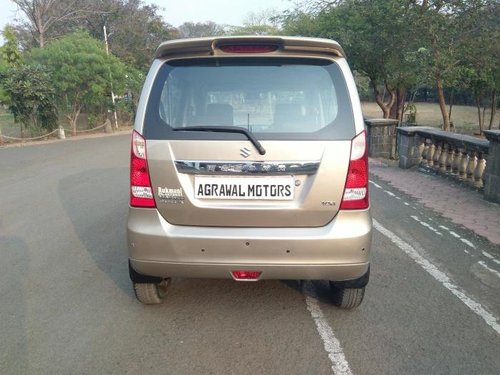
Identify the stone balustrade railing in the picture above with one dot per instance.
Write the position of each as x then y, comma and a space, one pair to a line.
459, 156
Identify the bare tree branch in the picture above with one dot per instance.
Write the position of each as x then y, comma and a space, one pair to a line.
42, 15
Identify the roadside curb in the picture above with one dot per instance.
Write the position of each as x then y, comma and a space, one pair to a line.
121, 131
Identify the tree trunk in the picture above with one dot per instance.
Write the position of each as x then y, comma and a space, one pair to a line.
73, 118
452, 95
392, 98
41, 40
493, 107
76, 113
442, 103
40, 27
394, 108
479, 115
401, 103
379, 100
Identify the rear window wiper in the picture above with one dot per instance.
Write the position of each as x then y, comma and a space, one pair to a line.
225, 129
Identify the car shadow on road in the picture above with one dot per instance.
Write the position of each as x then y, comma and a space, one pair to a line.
96, 202
318, 289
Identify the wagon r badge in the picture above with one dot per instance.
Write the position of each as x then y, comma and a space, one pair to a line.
167, 195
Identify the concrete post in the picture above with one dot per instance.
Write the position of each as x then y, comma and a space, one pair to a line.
381, 137
492, 172
408, 147
60, 133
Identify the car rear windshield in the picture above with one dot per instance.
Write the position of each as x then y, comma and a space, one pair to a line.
274, 98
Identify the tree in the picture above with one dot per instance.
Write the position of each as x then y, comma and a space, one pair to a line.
134, 29
10, 56
9, 51
375, 36
44, 15
264, 22
31, 97
403, 44
298, 22
134, 80
479, 68
454, 31
81, 73
200, 29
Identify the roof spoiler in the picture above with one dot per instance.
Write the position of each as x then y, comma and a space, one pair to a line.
204, 47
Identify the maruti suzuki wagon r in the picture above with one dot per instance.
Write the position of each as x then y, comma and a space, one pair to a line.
249, 161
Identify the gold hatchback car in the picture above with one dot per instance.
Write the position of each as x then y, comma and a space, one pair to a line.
249, 161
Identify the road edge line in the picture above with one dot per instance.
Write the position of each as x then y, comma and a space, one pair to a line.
439, 276
340, 366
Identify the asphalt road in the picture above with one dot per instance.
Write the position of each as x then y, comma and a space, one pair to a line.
67, 306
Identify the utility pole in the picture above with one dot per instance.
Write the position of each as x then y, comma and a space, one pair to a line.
110, 81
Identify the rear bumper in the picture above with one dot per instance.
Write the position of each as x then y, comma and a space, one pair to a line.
337, 251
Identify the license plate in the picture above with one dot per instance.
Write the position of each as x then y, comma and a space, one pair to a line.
279, 188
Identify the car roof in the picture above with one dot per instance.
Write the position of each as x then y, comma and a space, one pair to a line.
203, 47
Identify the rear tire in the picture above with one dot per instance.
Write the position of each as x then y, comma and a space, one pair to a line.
151, 293
347, 298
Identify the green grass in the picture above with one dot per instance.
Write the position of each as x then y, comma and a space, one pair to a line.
464, 117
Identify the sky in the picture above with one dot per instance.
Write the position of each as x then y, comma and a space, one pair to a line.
176, 12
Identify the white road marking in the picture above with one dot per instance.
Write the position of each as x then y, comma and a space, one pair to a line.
456, 235
466, 251
450, 231
481, 263
406, 203
489, 256
375, 184
468, 243
428, 226
340, 366
440, 276
385, 191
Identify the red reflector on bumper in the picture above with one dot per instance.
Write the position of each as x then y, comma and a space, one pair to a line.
246, 275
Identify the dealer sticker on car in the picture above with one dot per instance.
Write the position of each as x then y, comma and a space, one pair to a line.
256, 188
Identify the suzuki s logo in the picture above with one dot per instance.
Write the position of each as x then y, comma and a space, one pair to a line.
245, 152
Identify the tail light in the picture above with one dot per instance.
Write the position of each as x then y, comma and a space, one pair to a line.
356, 187
141, 192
